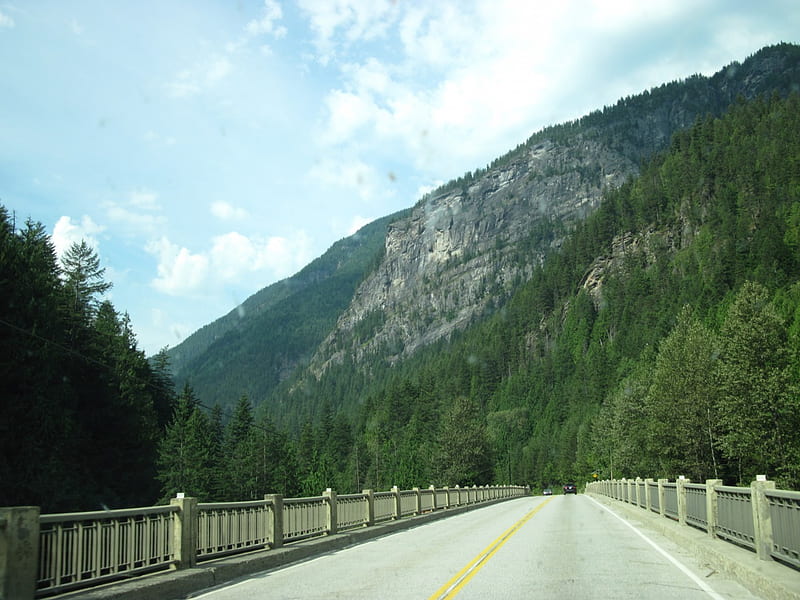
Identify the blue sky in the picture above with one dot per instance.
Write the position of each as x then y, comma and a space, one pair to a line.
207, 149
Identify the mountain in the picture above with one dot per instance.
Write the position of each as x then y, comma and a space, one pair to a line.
255, 346
456, 258
465, 248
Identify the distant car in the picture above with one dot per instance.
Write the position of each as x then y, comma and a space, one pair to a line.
547, 492
570, 489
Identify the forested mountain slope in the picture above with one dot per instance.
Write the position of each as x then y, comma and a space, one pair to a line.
660, 339
513, 328
467, 247
255, 346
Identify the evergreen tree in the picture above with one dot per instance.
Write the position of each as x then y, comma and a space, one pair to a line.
83, 279
241, 454
464, 457
682, 400
758, 405
185, 461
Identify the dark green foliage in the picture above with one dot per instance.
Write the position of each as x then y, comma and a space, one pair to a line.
661, 338
595, 364
260, 343
82, 407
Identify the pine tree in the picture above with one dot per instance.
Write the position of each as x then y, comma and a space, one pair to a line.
681, 402
758, 406
241, 454
184, 454
83, 278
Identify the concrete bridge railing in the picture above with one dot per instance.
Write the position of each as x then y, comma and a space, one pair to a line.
42, 555
760, 518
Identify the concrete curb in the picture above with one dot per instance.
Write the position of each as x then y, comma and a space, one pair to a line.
179, 584
766, 579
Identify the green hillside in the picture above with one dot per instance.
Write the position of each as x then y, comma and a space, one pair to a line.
680, 356
257, 345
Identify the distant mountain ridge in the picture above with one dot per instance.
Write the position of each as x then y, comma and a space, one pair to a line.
256, 345
416, 277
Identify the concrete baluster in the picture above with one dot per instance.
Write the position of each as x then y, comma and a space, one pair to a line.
661, 496
19, 551
712, 507
370, 516
762, 521
276, 535
681, 489
398, 507
331, 523
648, 501
185, 534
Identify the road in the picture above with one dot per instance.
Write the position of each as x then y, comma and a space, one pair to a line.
562, 546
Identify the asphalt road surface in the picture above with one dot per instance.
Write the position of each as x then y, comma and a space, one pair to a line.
534, 547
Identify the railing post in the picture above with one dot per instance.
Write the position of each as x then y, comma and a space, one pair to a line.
277, 519
331, 523
398, 507
19, 551
648, 501
447, 496
417, 501
762, 522
661, 496
432, 488
681, 491
185, 532
370, 516
712, 508
638, 483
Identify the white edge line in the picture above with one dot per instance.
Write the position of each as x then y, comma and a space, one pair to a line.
703, 585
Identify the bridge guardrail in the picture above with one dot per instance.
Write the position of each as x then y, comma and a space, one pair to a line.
98, 546
43, 555
759, 518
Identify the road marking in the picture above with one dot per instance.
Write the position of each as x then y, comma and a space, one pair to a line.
460, 579
702, 584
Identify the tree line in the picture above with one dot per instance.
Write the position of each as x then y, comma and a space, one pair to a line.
657, 370
679, 355
83, 408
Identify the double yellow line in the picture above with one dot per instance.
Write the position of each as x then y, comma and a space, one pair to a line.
460, 579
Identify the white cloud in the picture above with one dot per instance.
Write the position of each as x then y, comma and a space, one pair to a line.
6, 21
138, 213
179, 271
202, 77
227, 212
144, 199
65, 233
353, 174
232, 260
463, 79
266, 24
360, 20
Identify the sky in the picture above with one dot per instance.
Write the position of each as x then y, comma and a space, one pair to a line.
206, 149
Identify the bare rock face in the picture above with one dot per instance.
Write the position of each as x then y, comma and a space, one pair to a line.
462, 252
465, 249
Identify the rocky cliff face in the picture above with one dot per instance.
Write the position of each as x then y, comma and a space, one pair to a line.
466, 248
461, 253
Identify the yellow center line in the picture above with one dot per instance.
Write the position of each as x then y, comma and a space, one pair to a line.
460, 579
